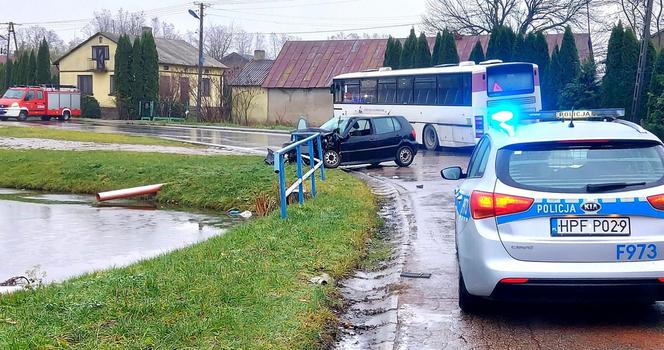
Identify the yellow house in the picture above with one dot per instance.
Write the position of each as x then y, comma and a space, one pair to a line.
90, 67
249, 98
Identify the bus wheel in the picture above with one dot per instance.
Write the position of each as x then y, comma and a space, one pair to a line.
430, 138
45, 118
65, 116
23, 116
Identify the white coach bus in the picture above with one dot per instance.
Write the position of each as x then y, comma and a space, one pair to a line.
448, 104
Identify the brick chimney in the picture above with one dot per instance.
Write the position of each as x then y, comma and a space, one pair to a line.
259, 55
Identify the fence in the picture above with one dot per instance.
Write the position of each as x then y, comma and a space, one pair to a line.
312, 141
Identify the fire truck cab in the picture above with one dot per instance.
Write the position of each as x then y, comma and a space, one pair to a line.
46, 102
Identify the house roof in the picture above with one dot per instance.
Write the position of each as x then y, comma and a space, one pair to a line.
234, 59
253, 73
170, 51
313, 64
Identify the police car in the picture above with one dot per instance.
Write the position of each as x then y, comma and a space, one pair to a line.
561, 209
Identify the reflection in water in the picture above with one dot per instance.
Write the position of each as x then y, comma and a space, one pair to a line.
66, 240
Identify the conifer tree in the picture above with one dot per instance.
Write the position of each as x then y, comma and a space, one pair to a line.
137, 76
655, 98
611, 83
519, 51
448, 50
31, 72
123, 76
435, 53
477, 55
552, 83
389, 49
150, 67
630, 61
396, 53
584, 91
422, 56
501, 43
408, 51
43, 63
568, 59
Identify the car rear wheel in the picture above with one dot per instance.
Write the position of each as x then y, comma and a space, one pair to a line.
430, 138
468, 303
404, 156
331, 158
65, 116
23, 116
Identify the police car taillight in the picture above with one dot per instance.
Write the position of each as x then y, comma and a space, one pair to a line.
657, 201
485, 205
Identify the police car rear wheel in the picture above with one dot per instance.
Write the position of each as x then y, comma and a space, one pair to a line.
404, 156
23, 116
468, 303
430, 138
331, 158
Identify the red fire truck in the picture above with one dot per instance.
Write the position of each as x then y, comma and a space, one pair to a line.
21, 102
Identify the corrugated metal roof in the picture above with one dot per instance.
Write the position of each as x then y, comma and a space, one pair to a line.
253, 73
313, 64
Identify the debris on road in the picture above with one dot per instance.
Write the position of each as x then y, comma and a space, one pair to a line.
420, 186
323, 279
415, 274
129, 192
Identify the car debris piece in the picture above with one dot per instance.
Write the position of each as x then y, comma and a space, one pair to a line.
129, 192
245, 214
323, 279
420, 186
15, 281
269, 158
415, 275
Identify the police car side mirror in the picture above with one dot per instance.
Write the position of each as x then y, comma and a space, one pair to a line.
452, 173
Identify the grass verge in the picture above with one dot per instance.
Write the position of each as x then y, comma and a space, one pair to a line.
85, 136
247, 289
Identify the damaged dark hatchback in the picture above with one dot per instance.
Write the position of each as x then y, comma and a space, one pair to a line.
365, 140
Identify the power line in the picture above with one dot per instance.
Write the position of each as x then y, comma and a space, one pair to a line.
337, 30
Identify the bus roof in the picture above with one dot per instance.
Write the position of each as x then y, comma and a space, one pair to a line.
475, 68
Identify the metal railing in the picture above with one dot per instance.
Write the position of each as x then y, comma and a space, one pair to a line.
279, 168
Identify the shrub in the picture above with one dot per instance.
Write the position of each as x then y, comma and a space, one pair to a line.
90, 107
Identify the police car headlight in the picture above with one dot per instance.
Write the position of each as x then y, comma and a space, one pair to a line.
15, 104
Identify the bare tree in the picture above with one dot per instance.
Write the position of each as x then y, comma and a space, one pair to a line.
163, 29
276, 42
243, 42
218, 40
243, 101
632, 13
259, 41
30, 37
481, 16
123, 22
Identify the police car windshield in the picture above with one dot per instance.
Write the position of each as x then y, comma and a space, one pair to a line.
14, 94
334, 123
582, 167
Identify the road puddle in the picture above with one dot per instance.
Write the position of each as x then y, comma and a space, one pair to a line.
59, 236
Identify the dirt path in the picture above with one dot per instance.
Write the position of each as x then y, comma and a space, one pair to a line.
60, 145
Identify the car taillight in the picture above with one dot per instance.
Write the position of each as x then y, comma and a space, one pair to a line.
514, 280
661, 279
657, 201
413, 134
485, 205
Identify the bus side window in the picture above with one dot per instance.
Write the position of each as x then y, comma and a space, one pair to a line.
454, 90
425, 90
387, 91
337, 90
368, 90
351, 91
405, 91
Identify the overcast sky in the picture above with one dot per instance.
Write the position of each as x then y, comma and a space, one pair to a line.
68, 17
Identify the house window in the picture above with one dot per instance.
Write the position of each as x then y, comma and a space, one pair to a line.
85, 84
100, 54
205, 87
112, 87
167, 67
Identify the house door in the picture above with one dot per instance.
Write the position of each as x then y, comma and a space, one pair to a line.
184, 91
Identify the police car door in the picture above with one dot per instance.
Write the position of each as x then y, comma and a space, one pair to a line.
475, 180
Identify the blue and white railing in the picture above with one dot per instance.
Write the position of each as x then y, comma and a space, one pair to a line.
279, 168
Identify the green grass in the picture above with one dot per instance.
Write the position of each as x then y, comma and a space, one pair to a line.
84, 136
247, 289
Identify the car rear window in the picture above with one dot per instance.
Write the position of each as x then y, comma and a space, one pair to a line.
569, 167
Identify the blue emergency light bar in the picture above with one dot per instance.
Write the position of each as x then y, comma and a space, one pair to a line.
508, 118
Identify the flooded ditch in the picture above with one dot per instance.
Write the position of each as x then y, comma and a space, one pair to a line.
58, 236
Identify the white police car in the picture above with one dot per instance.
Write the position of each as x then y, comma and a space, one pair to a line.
560, 210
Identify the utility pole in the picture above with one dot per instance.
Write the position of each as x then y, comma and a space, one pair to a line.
643, 58
10, 31
199, 91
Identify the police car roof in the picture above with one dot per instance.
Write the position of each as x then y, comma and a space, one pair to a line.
561, 131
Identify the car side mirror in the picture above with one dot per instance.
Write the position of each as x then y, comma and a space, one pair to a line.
452, 173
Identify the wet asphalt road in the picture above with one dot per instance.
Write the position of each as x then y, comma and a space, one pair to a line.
423, 313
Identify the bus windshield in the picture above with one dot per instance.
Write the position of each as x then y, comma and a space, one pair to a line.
14, 94
510, 79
